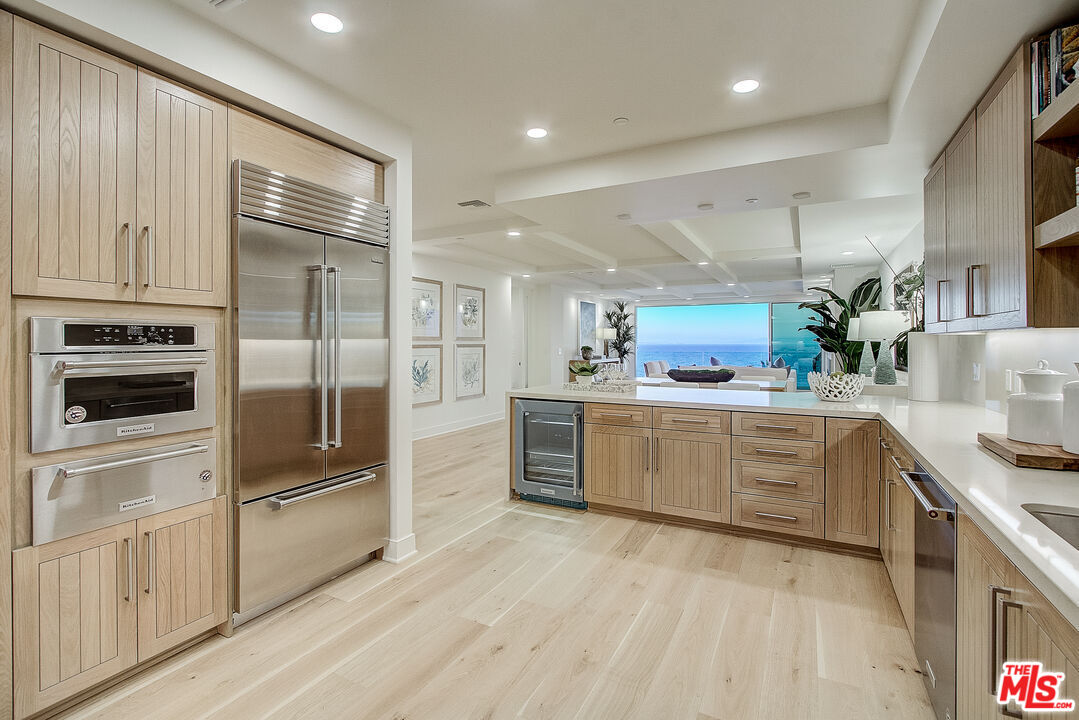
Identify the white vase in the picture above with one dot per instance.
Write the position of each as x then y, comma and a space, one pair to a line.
1037, 414
585, 379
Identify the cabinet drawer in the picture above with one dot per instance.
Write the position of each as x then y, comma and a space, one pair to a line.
715, 421
796, 427
791, 452
796, 483
786, 516
632, 415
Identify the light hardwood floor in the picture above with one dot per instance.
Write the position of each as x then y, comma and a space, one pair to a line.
515, 610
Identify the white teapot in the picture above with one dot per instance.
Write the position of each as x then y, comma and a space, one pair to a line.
1036, 415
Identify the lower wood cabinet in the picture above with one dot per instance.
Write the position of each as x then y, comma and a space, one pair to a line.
692, 475
897, 544
852, 478
618, 466
85, 607
791, 517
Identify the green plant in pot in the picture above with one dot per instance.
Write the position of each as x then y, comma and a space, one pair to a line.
585, 371
832, 321
618, 318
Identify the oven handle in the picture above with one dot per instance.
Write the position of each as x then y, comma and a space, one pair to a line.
63, 366
115, 464
934, 512
280, 502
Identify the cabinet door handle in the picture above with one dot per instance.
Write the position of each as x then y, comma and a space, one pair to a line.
790, 483
977, 282
690, 421
888, 505
1004, 632
130, 254
617, 415
655, 458
149, 256
789, 518
766, 451
149, 563
129, 546
995, 591
940, 296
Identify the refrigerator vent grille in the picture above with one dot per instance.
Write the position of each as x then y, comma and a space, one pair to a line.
270, 195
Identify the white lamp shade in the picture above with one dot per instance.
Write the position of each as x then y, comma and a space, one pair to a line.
606, 334
882, 324
852, 329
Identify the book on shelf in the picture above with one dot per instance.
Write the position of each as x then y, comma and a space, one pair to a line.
1053, 59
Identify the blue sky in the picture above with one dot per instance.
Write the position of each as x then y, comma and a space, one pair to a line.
740, 324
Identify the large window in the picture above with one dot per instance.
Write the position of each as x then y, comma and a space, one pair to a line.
749, 334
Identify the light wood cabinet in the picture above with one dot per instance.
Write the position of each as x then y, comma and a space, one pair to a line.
182, 575
73, 155
692, 475
852, 478
631, 415
183, 192
961, 223
74, 615
998, 274
618, 466
1044, 635
897, 508
936, 253
789, 517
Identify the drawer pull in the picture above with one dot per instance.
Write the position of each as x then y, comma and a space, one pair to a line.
692, 421
791, 483
885, 445
617, 415
773, 516
766, 451
898, 467
788, 428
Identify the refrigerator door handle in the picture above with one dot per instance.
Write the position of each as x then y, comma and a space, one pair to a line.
336, 442
324, 358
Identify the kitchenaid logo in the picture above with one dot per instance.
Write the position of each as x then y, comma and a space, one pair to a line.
137, 503
1032, 688
134, 430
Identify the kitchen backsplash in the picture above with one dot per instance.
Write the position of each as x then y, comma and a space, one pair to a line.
997, 352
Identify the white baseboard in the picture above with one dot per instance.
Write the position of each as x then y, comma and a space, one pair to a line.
420, 433
401, 549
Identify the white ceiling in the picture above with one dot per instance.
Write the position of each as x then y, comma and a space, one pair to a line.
856, 98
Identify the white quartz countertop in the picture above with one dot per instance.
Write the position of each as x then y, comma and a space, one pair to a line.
943, 438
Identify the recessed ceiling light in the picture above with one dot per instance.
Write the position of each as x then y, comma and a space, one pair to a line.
526, 275
623, 216
847, 252
803, 195
514, 233
703, 262
730, 284
745, 86
823, 277
327, 23
611, 269
752, 200
659, 287
536, 133
704, 207
621, 121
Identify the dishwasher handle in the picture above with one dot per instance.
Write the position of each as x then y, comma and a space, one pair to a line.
934, 512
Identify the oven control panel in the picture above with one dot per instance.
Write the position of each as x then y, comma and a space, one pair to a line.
114, 335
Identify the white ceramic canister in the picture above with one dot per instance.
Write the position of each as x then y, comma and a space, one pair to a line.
1071, 415
1036, 415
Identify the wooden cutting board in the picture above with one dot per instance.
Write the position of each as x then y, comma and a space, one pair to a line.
1029, 455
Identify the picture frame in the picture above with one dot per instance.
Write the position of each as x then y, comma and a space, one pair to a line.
470, 312
426, 309
470, 371
426, 374
586, 325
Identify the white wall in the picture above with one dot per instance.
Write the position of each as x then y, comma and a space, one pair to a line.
452, 414
910, 249
848, 278
554, 332
163, 36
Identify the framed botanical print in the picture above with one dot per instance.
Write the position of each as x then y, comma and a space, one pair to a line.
470, 371
426, 375
470, 312
586, 324
426, 309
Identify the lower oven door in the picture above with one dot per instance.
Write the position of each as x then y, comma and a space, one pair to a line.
92, 398
296, 540
83, 495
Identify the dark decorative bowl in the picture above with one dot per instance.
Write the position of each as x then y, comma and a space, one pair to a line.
706, 375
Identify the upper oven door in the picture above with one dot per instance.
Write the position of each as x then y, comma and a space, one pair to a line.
94, 398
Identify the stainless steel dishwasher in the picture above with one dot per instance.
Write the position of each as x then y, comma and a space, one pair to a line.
548, 452
934, 588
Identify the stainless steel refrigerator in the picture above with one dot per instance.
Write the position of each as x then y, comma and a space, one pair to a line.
311, 409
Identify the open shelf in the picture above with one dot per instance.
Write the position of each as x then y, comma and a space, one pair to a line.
1060, 119
1059, 231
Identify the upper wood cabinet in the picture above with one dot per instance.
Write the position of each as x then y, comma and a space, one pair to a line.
961, 223
182, 575
74, 615
73, 161
852, 478
692, 474
936, 251
183, 195
618, 466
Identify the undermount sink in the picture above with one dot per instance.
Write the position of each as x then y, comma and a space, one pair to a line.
1064, 521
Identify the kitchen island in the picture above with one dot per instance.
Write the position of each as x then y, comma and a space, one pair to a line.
942, 437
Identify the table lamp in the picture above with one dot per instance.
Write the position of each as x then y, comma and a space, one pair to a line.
883, 325
606, 335
865, 366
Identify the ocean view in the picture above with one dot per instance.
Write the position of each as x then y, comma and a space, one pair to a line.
699, 355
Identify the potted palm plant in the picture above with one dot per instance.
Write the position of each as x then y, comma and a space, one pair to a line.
830, 328
625, 334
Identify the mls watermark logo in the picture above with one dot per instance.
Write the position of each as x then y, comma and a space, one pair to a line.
1032, 688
